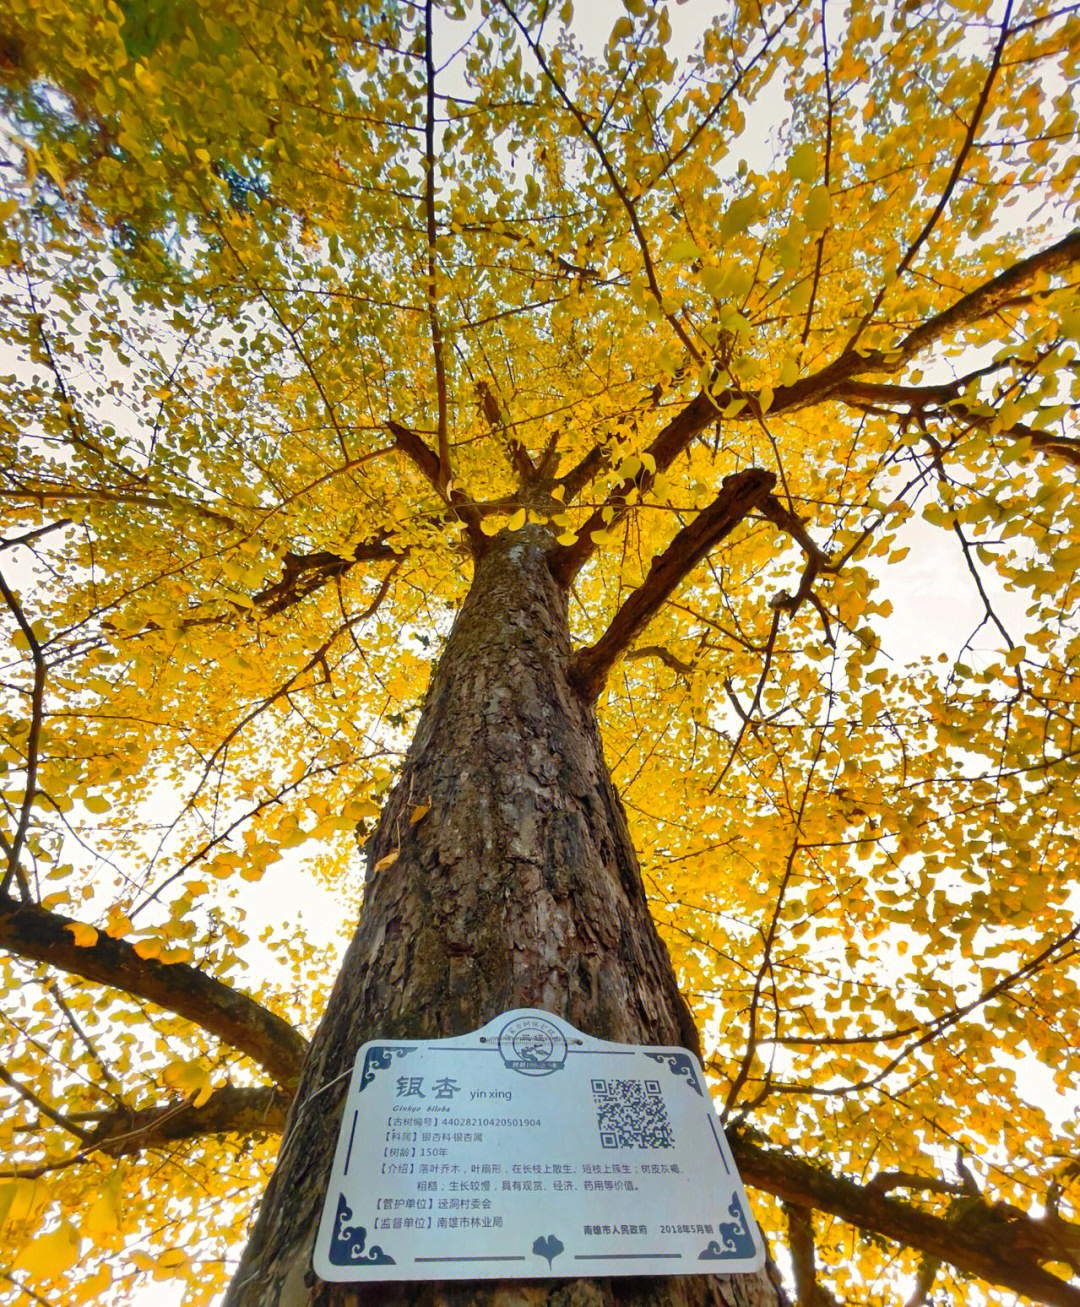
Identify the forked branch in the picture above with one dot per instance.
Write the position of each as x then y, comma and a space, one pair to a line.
740, 495
835, 380
429, 464
303, 574
941, 404
667, 446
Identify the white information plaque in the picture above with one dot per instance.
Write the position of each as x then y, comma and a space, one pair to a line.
530, 1150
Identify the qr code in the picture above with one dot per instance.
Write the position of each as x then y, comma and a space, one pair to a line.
631, 1114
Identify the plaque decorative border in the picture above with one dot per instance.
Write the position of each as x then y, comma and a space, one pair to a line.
379, 1058
348, 1243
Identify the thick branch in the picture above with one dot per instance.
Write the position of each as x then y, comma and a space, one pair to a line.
1045, 442
994, 294
227, 1111
881, 394
416, 449
995, 1242
429, 465
816, 560
832, 381
982, 302
740, 495
941, 403
1066, 447
34, 933
885, 1181
667, 446
123, 1133
516, 451
808, 1293
665, 656
302, 574
676, 436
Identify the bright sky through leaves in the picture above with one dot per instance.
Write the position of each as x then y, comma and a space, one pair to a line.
270, 377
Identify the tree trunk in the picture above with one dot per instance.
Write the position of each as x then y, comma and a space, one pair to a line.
519, 888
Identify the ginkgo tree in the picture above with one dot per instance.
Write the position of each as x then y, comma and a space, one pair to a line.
469, 471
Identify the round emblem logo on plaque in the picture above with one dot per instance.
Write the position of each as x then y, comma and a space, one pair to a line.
533, 1046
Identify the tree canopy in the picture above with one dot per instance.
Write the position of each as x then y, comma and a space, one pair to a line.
304, 303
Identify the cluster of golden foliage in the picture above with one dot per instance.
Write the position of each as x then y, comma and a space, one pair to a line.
292, 295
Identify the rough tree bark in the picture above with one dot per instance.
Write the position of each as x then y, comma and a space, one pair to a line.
520, 888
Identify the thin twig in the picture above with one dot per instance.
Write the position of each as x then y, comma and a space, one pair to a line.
445, 471
33, 744
29, 1096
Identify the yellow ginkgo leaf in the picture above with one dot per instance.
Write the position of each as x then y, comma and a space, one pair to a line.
818, 208
103, 1217
95, 1285
119, 923
567, 538
83, 935
387, 861
358, 809
803, 163
171, 1262
684, 250
517, 521
20, 1199
173, 955
419, 813
49, 1255
189, 1077
53, 169
147, 948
